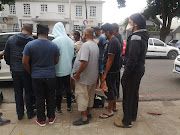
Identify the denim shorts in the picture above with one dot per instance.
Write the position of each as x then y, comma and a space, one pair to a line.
101, 70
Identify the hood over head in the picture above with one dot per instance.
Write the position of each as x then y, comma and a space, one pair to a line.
59, 30
22, 39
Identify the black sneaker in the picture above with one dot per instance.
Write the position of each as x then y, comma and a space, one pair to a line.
20, 117
59, 111
4, 122
80, 122
89, 116
69, 109
32, 115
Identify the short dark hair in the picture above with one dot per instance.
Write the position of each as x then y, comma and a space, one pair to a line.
28, 28
42, 29
107, 27
77, 34
115, 26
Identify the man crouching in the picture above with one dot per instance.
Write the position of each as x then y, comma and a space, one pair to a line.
85, 74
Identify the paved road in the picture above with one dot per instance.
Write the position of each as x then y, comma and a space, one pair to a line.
158, 83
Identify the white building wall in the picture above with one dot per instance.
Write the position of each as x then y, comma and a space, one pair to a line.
52, 16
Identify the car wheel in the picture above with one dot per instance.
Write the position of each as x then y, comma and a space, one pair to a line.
172, 55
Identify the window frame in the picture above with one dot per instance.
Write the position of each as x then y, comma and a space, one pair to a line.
27, 9
93, 11
79, 11
61, 8
12, 9
44, 8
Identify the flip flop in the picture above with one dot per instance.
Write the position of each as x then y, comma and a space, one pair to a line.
113, 109
106, 115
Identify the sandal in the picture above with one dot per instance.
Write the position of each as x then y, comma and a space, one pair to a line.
107, 116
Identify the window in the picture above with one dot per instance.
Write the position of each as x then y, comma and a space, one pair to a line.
61, 9
78, 10
27, 9
77, 27
158, 43
93, 11
12, 9
15, 27
3, 40
150, 42
43, 8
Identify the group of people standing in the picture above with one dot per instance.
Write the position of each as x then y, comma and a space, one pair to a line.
45, 68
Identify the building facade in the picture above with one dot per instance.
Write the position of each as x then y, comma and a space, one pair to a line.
50, 12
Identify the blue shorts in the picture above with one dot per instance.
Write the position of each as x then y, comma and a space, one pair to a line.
101, 70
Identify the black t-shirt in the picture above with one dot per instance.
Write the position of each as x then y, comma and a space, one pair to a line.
113, 48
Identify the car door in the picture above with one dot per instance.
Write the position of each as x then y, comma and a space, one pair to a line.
150, 51
160, 48
5, 74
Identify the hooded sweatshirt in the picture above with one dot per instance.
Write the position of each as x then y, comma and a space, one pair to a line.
13, 51
135, 53
66, 50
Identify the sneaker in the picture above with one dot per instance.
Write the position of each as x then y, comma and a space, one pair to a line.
59, 111
121, 124
42, 123
20, 117
80, 122
52, 120
4, 122
69, 109
32, 115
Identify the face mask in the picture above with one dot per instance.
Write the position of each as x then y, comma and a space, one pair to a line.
83, 40
94, 34
104, 36
129, 27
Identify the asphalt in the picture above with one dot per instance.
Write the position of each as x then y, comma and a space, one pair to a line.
168, 123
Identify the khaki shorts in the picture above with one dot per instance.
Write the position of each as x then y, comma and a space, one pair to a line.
84, 96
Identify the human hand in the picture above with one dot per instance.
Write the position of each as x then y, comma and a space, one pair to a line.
103, 78
76, 76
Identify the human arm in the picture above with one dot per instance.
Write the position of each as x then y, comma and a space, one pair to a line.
81, 69
56, 59
108, 66
26, 64
7, 53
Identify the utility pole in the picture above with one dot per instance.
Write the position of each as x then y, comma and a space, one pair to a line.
86, 9
70, 22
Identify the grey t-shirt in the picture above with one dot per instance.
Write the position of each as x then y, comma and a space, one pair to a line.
88, 52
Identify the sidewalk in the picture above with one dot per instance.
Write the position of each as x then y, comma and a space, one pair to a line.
166, 124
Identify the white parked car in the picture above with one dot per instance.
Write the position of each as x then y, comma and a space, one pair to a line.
157, 47
5, 74
177, 65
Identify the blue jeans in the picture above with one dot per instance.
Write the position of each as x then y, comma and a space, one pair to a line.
22, 80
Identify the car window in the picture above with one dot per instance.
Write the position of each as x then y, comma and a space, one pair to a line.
174, 41
50, 38
3, 40
150, 42
158, 43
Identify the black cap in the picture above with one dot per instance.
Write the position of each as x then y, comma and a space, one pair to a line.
97, 28
139, 20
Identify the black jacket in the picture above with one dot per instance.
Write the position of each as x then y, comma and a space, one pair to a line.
135, 53
14, 51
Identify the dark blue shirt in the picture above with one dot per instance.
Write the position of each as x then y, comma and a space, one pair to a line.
101, 43
42, 54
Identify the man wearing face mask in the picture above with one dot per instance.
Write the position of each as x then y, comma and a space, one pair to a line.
101, 42
112, 67
135, 54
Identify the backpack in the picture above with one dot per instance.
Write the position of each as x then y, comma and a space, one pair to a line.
99, 101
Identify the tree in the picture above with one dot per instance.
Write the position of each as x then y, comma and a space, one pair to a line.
167, 9
5, 2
